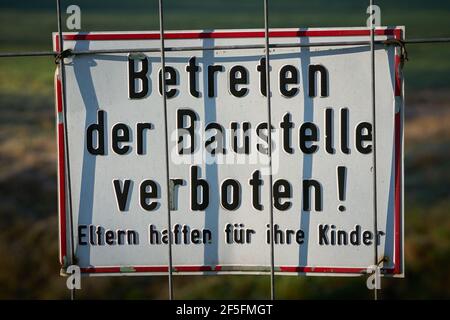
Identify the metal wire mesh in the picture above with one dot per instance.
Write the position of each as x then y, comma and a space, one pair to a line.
61, 54
236, 47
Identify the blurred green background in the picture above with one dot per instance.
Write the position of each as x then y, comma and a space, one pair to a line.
28, 215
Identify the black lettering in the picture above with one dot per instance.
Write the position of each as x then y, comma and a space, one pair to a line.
256, 182
261, 130
122, 194
171, 80
147, 195
197, 183
288, 76
323, 235
192, 69
307, 186
354, 236
261, 68
367, 238
219, 138
235, 200
305, 137
137, 75
236, 80
245, 147
282, 189
362, 137
141, 138
98, 127
286, 126
82, 235
153, 235
109, 237
329, 131
120, 134
183, 114
344, 131
212, 70
313, 70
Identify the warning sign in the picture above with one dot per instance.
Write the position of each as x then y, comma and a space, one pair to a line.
322, 153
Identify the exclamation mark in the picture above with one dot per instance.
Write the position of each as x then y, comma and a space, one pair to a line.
341, 178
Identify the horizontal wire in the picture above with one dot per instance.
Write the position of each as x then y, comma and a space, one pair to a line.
229, 47
27, 54
427, 41
236, 47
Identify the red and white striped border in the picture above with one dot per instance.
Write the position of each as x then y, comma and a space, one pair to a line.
396, 33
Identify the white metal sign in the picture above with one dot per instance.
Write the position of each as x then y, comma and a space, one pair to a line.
322, 157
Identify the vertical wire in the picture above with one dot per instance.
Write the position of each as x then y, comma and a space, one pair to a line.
375, 198
269, 129
66, 145
163, 89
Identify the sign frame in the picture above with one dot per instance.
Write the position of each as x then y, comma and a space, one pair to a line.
396, 33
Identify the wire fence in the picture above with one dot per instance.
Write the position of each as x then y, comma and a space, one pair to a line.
69, 52
59, 56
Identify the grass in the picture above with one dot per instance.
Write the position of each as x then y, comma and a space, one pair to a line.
28, 224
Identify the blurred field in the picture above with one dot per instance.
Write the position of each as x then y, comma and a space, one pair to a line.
28, 222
